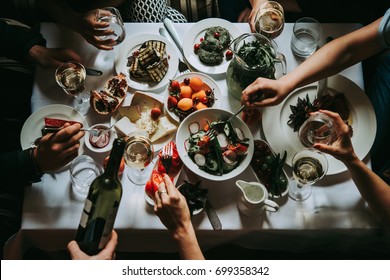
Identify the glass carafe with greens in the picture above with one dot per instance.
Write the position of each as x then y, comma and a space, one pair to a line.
254, 56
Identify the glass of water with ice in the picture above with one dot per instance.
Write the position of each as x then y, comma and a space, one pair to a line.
306, 36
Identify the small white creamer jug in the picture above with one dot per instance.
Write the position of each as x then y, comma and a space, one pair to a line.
253, 199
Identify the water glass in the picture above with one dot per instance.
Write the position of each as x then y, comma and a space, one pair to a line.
306, 36
318, 128
112, 16
83, 170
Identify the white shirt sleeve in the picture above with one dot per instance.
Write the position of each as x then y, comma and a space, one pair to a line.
384, 30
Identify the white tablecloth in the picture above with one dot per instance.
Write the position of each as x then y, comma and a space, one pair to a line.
334, 217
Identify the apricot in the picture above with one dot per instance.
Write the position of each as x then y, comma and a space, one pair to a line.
200, 106
185, 104
199, 94
185, 92
196, 83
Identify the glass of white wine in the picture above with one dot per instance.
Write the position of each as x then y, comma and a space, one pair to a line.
71, 77
309, 166
269, 20
138, 154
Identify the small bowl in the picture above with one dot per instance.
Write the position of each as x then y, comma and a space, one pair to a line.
90, 139
197, 211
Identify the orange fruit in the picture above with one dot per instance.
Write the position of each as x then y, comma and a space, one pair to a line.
185, 92
200, 106
196, 83
199, 94
185, 104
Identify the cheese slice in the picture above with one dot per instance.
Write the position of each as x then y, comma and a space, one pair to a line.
133, 112
124, 127
165, 127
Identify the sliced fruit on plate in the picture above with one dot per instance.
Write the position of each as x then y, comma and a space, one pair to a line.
111, 97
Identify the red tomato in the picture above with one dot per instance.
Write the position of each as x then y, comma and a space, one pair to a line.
149, 189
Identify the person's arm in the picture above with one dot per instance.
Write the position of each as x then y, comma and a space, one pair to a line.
172, 209
372, 188
330, 59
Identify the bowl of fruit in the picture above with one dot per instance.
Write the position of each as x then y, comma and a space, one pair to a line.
191, 92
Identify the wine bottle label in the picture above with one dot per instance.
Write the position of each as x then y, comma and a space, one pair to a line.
108, 227
85, 214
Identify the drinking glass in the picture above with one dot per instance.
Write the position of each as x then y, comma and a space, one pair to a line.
269, 20
138, 154
318, 128
112, 16
306, 36
309, 166
83, 170
71, 77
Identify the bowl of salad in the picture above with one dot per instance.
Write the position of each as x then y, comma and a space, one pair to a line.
212, 148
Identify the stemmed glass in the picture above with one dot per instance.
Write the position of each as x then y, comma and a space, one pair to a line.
71, 77
309, 166
269, 20
138, 154
112, 16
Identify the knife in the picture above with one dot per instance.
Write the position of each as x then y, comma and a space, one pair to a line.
212, 215
172, 31
93, 72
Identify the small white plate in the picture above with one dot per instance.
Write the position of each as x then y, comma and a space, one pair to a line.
132, 44
106, 148
31, 129
198, 31
206, 79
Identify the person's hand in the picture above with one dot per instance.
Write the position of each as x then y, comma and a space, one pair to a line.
52, 57
171, 207
108, 253
341, 148
91, 29
54, 150
249, 15
272, 91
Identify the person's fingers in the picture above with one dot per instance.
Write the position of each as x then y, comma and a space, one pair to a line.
108, 252
168, 184
325, 148
75, 251
66, 132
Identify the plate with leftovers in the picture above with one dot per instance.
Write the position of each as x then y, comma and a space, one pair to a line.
206, 45
145, 111
148, 60
353, 103
31, 129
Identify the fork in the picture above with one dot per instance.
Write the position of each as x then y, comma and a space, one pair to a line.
183, 67
93, 131
166, 156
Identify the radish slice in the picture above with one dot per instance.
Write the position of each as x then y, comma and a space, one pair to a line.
193, 127
187, 144
229, 156
223, 140
200, 159
239, 133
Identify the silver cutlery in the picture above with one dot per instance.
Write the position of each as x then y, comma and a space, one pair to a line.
183, 66
322, 87
212, 215
93, 72
93, 131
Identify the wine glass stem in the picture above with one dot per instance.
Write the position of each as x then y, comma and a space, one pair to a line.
79, 100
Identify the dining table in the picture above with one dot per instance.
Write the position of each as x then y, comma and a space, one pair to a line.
335, 218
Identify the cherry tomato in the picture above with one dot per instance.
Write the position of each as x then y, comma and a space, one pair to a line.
196, 47
216, 35
187, 81
229, 54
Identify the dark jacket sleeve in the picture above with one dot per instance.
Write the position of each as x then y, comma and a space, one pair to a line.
17, 169
17, 40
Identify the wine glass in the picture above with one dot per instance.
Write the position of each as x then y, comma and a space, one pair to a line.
269, 20
112, 16
309, 166
138, 154
71, 77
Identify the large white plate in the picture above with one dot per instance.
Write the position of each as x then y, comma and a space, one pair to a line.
198, 31
206, 79
31, 129
281, 136
132, 44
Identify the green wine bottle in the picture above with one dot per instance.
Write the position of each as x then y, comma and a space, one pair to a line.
101, 205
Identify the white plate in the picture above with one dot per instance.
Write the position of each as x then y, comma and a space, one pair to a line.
206, 79
31, 129
160, 143
198, 31
132, 44
280, 136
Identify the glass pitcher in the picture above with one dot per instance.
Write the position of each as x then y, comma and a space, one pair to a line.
254, 56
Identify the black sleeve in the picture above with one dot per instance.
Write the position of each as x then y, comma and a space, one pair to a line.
17, 40
18, 169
